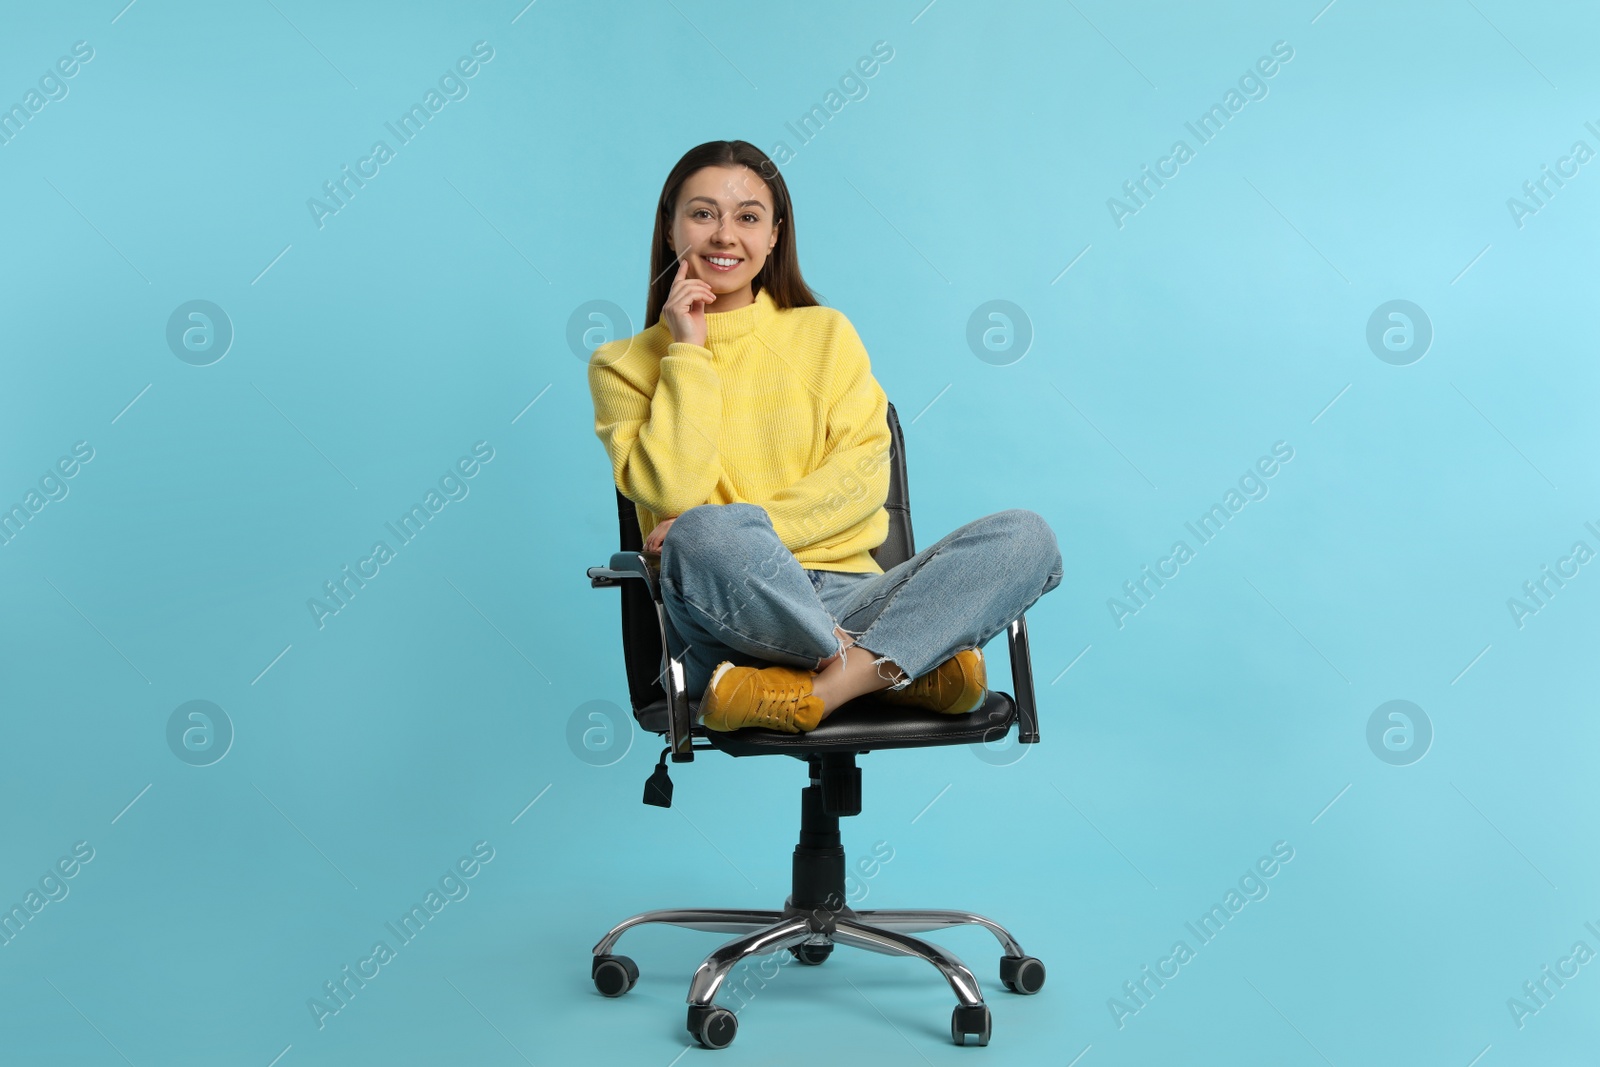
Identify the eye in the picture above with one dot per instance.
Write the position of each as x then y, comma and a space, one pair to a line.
752, 218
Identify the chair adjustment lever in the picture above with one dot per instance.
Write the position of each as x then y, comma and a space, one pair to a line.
658, 787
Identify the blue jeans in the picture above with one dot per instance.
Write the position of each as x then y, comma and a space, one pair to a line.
734, 592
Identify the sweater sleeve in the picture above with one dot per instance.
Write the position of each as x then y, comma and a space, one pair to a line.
663, 445
853, 481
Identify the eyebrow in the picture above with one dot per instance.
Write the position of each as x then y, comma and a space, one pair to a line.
713, 203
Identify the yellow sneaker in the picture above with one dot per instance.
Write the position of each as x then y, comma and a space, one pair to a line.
954, 687
773, 698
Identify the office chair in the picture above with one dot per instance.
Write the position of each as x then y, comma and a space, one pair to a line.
816, 915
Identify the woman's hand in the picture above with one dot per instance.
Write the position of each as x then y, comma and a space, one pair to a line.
652, 543
684, 311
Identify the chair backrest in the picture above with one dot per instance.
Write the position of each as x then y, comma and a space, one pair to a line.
641, 632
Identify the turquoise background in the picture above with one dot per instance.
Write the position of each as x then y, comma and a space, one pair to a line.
1229, 313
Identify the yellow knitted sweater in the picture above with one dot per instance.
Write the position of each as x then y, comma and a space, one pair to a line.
778, 408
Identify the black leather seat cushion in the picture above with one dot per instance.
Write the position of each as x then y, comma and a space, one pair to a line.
862, 725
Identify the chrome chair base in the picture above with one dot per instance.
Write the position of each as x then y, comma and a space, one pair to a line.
760, 933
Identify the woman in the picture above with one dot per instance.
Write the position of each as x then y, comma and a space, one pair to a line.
746, 426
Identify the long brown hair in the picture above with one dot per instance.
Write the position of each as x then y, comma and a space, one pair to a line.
779, 275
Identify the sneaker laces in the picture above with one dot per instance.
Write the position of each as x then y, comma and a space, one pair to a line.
925, 686
776, 704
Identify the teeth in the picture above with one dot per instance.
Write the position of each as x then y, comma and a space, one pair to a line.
722, 261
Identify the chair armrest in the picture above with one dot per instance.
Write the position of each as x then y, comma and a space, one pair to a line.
625, 565
1022, 683
647, 568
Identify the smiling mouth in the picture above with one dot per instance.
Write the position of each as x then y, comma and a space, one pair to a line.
728, 262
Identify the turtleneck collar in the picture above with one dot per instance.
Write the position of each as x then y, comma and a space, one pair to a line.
723, 326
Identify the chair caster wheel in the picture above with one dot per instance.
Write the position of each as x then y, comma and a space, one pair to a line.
972, 1021
810, 954
613, 975
712, 1026
1022, 974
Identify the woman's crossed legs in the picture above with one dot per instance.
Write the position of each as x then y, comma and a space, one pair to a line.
735, 593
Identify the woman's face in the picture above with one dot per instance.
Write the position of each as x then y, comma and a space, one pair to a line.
724, 214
